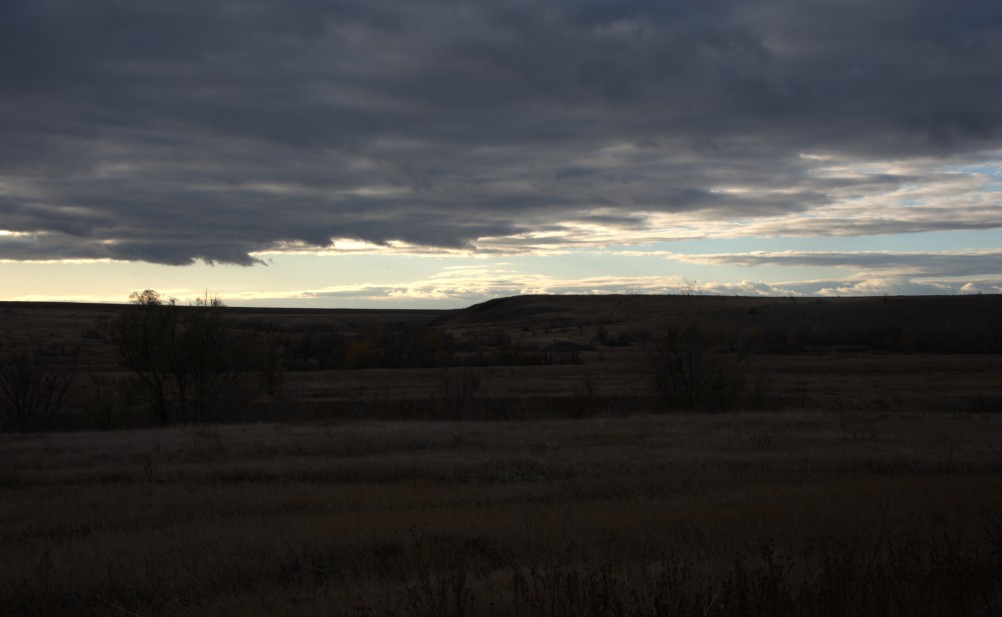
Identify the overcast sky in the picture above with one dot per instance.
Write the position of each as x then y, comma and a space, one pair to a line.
384, 152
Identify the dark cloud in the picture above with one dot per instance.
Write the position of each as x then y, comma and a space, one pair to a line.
199, 129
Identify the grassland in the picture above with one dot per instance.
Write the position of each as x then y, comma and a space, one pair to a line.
452, 517
866, 480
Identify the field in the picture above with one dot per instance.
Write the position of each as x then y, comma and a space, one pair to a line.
536, 469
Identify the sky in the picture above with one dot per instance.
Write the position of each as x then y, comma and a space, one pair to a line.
396, 154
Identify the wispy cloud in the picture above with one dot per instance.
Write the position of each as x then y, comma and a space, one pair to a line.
913, 264
873, 274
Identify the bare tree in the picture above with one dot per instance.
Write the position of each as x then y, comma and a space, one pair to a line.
689, 287
183, 355
689, 372
32, 387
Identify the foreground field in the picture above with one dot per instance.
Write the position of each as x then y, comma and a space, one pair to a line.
733, 514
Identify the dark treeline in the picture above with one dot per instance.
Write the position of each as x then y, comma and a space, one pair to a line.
885, 335
408, 346
208, 362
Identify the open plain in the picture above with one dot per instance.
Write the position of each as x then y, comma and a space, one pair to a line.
523, 457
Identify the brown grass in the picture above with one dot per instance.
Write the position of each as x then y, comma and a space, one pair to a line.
871, 486
454, 517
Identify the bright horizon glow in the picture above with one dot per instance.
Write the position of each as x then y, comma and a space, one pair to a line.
359, 275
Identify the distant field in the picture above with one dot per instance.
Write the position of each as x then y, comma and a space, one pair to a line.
562, 356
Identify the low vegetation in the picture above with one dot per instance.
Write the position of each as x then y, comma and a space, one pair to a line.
157, 362
527, 457
759, 513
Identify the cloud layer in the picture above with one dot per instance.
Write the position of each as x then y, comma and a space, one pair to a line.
213, 130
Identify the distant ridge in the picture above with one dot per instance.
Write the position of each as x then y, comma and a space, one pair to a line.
916, 311
582, 307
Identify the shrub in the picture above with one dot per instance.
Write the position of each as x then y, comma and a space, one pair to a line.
32, 387
689, 373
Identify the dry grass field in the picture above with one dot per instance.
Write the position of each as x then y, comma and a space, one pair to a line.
878, 513
517, 458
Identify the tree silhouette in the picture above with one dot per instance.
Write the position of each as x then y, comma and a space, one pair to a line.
32, 387
183, 356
